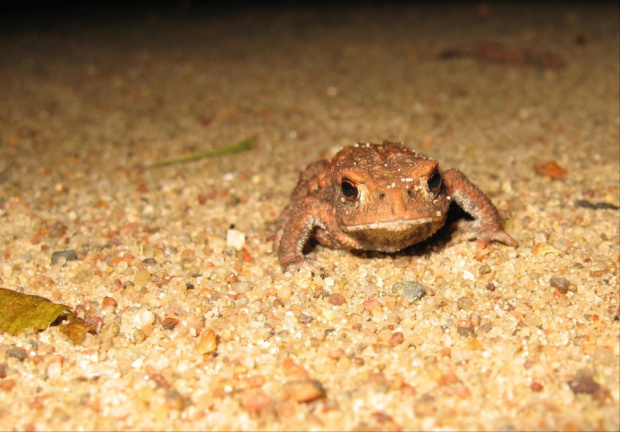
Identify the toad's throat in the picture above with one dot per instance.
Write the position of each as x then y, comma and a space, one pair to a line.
394, 226
393, 236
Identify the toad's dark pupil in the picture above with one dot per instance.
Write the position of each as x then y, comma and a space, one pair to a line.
349, 190
434, 182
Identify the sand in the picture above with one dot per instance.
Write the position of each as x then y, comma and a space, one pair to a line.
196, 326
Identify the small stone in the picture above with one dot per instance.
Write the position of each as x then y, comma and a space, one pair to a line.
109, 331
465, 303
139, 336
336, 299
523, 308
484, 269
142, 277
550, 169
372, 305
257, 401
490, 287
465, 328
256, 381
304, 319
412, 290
7, 385
235, 239
304, 390
598, 269
484, 327
475, 319
149, 261
169, 323
425, 406
241, 287
207, 342
336, 354
174, 399
542, 249
583, 384
57, 230
536, 386
143, 318
396, 339
560, 284
17, 352
109, 301
63, 256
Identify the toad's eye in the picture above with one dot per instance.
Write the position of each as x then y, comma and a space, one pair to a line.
434, 182
349, 190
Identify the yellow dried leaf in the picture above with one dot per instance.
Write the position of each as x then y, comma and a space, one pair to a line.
23, 313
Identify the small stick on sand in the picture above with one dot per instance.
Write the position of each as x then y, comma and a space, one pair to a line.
240, 146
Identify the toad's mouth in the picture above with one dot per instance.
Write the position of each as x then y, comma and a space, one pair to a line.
393, 236
394, 226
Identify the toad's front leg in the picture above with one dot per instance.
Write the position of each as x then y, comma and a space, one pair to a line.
487, 223
294, 237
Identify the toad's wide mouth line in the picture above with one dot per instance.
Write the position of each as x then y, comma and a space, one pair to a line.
396, 225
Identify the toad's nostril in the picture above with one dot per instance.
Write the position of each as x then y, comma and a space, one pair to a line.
410, 193
381, 195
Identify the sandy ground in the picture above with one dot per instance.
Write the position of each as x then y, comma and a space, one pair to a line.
196, 331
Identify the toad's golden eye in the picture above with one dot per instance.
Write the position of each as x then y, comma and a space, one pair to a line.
349, 190
434, 182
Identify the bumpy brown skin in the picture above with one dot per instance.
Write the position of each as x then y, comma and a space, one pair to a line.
382, 197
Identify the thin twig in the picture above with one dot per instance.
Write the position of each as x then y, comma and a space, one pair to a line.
241, 146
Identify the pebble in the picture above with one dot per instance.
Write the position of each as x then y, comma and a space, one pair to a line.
475, 319
169, 323
304, 319
256, 402
304, 390
372, 305
54, 369
109, 301
542, 249
336, 354
396, 339
235, 239
17, 352
583, 384
336, 299
465, 303
484, 269
241, 287
142, 277
465, 328
62, 256
536, 386
560, 283
109, 331
207, 342
139, 336
598, 269
410, 289
143, 318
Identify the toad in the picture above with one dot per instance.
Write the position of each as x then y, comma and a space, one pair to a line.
380, 197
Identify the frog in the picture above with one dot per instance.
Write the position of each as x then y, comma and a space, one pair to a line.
379, 197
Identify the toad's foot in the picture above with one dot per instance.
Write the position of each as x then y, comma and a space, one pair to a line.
471, 230
298, 264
